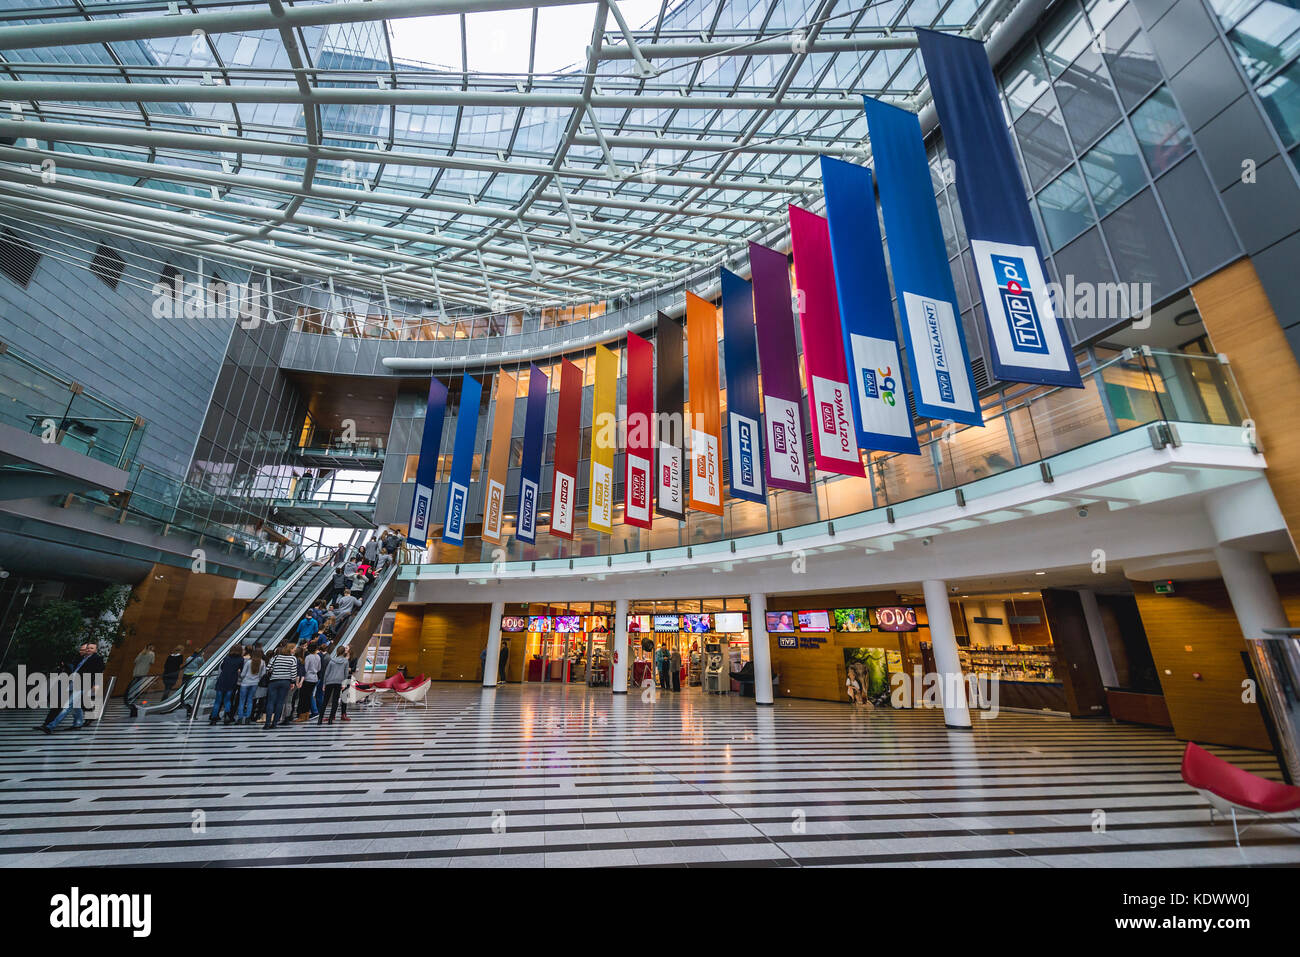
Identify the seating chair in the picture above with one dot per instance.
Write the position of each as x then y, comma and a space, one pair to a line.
415, 694
1228, 788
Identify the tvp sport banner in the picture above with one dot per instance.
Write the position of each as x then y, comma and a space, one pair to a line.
638, 482
1026, 339
462, 457
740, 355
870, 335
568, 428
604, 440
942, 384
426, 467
530, 467
494, 489
706, 415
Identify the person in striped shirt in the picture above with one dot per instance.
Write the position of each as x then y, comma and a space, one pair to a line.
283, 669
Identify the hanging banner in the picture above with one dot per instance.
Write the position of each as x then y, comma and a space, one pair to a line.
740, 354
530, 467
778, 364
462, 458
942, 384
706, 414
835, 440
568, 427
1027, 340
866, 315
494, 489
670, 423
426, 468
604, 439
637, 484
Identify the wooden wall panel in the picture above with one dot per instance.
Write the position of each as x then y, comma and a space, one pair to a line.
1242, 325
442, 642
1195, 631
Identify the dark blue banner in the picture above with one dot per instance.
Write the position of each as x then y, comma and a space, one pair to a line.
426, 468
866, 314
942, 384
1026, 339
530, 470
740, 359
462, 457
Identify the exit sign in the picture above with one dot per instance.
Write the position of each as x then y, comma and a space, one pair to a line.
1164, 588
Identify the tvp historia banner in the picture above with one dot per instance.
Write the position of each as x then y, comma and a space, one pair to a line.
604, 440
494, 489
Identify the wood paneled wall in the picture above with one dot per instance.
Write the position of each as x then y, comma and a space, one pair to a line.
442, 642
178, 608
1242, 325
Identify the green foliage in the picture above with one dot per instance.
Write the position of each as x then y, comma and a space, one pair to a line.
50, 635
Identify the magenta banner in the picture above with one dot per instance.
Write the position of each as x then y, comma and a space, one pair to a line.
778, 363
835, 438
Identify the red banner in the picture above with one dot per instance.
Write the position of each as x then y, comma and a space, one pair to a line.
640, 439
568, 429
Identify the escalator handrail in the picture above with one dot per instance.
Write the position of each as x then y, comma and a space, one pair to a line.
173, 700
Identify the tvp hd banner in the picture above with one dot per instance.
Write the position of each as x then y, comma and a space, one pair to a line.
494, 489
942, 384
568, 428
706, 415
638, 482
426, 467
740, 355
530, 467
604, 440
867, 323
462, 457
1026, 338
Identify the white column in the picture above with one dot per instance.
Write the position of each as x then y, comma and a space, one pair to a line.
1097, 635
618, 675
1251, 590
760, 649
943, 639
492, 660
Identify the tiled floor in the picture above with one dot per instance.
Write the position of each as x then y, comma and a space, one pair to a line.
569, 777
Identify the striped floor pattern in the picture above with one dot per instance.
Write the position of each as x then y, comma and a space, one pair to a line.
529, 776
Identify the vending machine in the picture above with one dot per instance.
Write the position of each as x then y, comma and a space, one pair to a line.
717, 674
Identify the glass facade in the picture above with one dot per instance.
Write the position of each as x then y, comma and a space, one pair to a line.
1265, 35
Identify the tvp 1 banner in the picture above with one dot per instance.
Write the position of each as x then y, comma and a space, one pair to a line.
604, 440
530, 467
835, 440
1027, 340
706, 414
494, 489
942, 384
426, 467
670, 423
568, 427
875, 368
778, 363
740, 356
462, 457
638, 483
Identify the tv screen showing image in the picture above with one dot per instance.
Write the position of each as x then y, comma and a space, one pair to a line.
697, 624
638, 624
568, 623
852, 619
513, 623
780, 622
539, 623
667, 623
896, 618
596, 624
814, 620
729, 622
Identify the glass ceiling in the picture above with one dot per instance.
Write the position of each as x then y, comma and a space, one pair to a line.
493, 154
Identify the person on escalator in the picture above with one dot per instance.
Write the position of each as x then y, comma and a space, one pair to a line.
227, 684
344, 607
172, 670
307, 629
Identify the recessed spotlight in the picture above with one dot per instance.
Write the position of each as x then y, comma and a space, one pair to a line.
1040, 573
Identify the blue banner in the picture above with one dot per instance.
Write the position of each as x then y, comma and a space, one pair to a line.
866, 315
462, 457
942, 384
426, 468
740, 359
530, 468
1026, 339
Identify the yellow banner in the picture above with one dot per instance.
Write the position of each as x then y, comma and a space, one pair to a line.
604, 439
494, 489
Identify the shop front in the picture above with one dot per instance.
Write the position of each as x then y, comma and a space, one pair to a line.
685, 632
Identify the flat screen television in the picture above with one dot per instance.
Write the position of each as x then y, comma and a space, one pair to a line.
729, 622
852, 619
638, 624
896, 618
697, 624
568, 623
596, 624
780, 622
539, 623
818, 620
667, 623
513, 623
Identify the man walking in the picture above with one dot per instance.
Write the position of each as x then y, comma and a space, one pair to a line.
91, 664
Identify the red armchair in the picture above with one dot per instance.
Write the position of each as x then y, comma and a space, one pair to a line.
1227, 788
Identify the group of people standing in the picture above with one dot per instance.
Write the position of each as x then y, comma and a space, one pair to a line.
304, 679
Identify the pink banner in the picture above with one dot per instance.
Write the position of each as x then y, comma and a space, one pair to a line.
835, 442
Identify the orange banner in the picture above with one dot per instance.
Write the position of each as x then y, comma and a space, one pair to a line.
706, 414
494, 489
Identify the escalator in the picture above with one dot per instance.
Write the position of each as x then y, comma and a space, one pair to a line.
365, 621
286, 600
